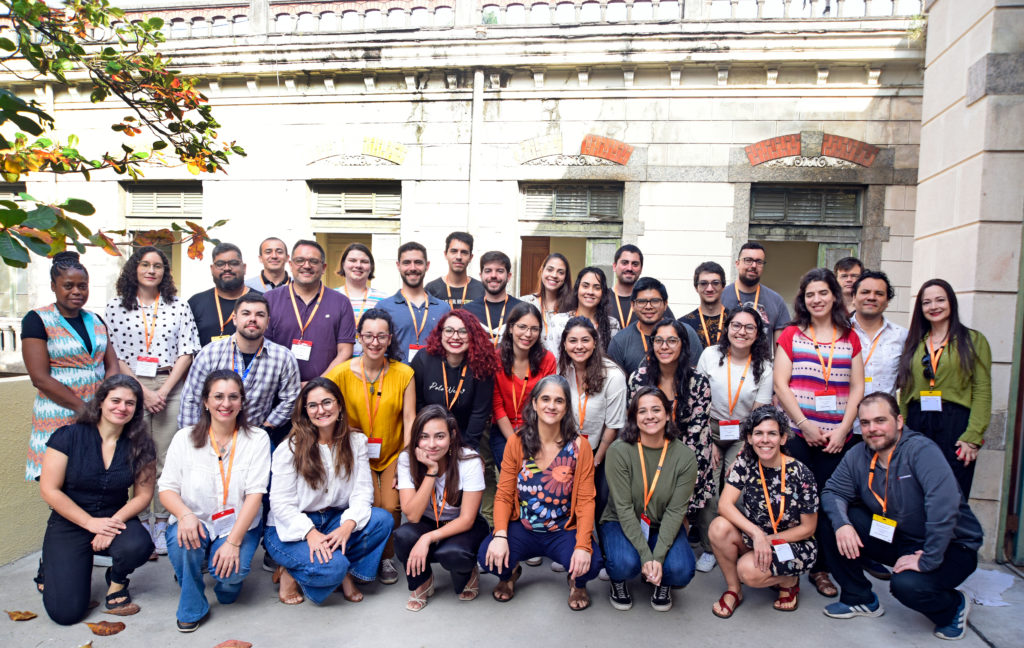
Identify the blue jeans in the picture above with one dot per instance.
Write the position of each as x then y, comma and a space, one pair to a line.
361, 558
524, 544
623, 560
188, 568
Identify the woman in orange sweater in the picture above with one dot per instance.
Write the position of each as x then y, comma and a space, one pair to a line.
545, 500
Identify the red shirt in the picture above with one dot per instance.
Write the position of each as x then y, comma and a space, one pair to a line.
507, 403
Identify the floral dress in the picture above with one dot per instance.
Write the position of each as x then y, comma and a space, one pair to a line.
695, 429
545, 496
801, 499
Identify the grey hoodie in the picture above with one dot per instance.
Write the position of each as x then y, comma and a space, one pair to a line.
924, 498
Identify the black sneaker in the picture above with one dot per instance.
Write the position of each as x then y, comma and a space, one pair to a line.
661, 599
878, 570
190, 626
619, 596
268, 563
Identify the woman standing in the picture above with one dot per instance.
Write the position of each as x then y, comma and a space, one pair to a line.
819, 380
441, 485
945, 380
214, 478
323, 528
589, 298
87, 471
739, 369
642, 531
769, 543
545, 500
66, 352
357, 268
553, 289
155, 337
380, 400
524, 361
456, 371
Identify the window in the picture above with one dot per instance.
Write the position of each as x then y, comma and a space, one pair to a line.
14, 294
357, 200
579, 203
806, 206
171, 200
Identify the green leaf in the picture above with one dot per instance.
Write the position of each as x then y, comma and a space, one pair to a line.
42, 218
13, 253
25, 196
97, 95
78, 206
159, 145
44, 142
72, 141
26, 124
7, 44
33, 244
156, 23
11, 217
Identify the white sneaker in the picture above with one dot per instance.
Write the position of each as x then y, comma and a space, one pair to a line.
706, 562
533, 562
603, 575
557, 567
160, 537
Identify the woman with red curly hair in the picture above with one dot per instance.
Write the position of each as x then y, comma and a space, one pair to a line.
456, 371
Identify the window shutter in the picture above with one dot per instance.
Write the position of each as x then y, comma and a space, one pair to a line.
340, 201
572, 203
801, 206
167, 201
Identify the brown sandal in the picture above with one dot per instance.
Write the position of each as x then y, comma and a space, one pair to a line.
578, 595
787, 595
355, 595
505, 591
824, 584
729, 610
287, 599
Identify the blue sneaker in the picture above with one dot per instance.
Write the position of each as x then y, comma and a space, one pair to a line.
840, 610
957, 628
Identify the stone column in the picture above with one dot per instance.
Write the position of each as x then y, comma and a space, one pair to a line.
259, 17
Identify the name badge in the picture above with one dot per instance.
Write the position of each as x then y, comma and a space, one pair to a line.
882, 528
728, 430
868, 379
931, 401
825, 401
783, 551
302, 349
373, 447
414, 349
223, 522
146, 366
645, 526
217, 338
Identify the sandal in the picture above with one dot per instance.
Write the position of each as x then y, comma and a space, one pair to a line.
787, 595
722, 605
418, 601
287, 599
111, 601
506, 590
472, 588
824, 584
355, 595
38, 580
578, 595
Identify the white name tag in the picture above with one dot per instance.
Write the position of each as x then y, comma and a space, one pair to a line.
825, 401
302, 349
645, 526
223, 522
373, 447
931, 401
783, 551
729, 430
414, 349
882, 528
146, 366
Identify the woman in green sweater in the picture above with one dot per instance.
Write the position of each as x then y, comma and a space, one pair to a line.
650, 475
945, 380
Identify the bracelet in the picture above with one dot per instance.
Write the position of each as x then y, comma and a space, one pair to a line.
505, 538
430, 475
188, 514
801, 421
973, 446
236, 546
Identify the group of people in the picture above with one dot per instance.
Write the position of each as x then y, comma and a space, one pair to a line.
354, 432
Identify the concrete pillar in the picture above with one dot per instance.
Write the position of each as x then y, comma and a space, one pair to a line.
259, 16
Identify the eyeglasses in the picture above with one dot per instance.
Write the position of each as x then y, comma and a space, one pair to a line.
453, 332
369, 337
755, 262
736, 327
146, 265
300, 261
523, 328
669, 341
714, 284
643, 303
926, 363
234, 263
326, 404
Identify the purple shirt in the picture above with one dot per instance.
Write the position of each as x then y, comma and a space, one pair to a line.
333, 324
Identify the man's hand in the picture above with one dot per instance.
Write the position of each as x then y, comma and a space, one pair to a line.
848, 542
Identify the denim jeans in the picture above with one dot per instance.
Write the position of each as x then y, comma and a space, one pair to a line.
188, 568
622, 560
361, 558
524, 544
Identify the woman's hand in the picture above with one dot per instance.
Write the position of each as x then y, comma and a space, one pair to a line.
966, 453
319, 547
153, 401
190, 532
337, 540
762, 552
108, 526
421, 456
101, 542
716, 456
812, 433
580, 563
418, 556
835, 440
226, 559
652, 571
497, 554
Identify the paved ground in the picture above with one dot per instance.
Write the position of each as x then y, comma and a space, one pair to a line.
539, 610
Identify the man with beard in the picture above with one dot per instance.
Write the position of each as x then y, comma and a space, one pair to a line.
456, 288
650, 303
274, 259
747, 290
214, 309
495, 269
413, 310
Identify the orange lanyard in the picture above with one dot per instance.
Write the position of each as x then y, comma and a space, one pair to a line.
150, 333
295, 307
649, 493
362, 309
704, 326
412, 315
522, 392
444, 374
643, 339
371, 414
825, 370
501, 318
768, 500
883, 501
433, 502
543, 316
448, 289
933, 357
625, 320
220, 315
873, 346
739, 387
739, 300
583, 398
225, 480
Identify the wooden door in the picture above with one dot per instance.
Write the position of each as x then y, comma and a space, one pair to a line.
535, 250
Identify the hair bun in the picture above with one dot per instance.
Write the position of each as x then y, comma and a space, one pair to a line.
64, 257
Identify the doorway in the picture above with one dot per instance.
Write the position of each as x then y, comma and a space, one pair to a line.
536, 248
334, 245
787, 263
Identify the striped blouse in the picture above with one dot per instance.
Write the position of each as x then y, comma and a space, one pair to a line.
808, 375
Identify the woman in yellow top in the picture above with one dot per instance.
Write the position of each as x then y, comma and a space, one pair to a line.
380, 397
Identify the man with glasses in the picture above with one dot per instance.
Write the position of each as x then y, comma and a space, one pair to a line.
707, 318
495, 269
214, 309
629, 346
274, 258
748, 290
413, 310
317, 324
847, 270
457, 288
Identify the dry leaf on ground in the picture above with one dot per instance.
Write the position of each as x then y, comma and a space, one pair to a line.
17, 615
233, 643
106, 628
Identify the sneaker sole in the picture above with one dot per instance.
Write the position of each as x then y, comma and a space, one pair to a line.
963, 633
621, 606
661, 607
854, 612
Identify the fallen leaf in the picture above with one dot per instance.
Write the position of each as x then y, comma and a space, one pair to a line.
233, 643
106, 628
124, 610
87, 645
20, 615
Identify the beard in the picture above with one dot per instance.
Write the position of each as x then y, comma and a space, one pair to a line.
229, 285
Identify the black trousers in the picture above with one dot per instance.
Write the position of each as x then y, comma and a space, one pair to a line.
945, 428
67, 564
933, 593
822, 465
457, 554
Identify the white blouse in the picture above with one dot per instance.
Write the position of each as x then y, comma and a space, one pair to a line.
193, 473
605, 409
471, 478
556, 324
751, 392
291, 495
176, 334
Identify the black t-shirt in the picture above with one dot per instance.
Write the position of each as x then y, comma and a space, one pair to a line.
693, 320
472, 406
32, 327
99, 491
625, 303
477, 308
204, 310
461, 296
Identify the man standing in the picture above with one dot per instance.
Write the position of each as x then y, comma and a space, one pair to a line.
881, 339
894, 499
269, 371
274, 257
629, 346
748, 290
315, 323
413, 310
456, 288
495, 269
707, 318
210, 306
847, 270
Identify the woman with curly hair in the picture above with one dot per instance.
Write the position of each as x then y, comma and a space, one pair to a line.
155, 337
590, 298
456, 371
553, 289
